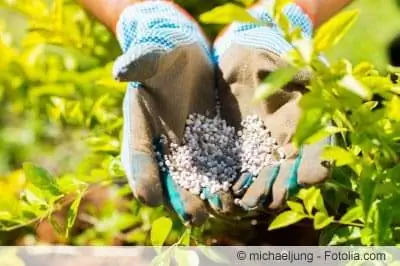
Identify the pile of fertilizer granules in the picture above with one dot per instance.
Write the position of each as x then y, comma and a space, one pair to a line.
213, 154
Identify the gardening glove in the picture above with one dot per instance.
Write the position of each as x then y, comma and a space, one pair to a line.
247, 54
167, 61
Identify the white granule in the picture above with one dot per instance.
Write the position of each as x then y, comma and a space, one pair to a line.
213, 155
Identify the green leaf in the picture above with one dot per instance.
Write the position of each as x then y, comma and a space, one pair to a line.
280, 5
285, 219
283, 22
309, 197
367, 188
160, 231
58, 14
339, 155
367, 236
332, 32
319, 205
353, 214
304, 47
104, 143
393, 108
185, 239
383, 221
41, 179
60, 90
226, 14
323, 134
274, 82
350, 83
322, 220
309, 124
295, 206
279, 17
343, 235
72, 214
136, 237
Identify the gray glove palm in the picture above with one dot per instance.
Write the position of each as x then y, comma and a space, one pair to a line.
247, 53
167, 62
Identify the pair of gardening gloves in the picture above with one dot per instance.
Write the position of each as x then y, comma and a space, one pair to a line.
173, 72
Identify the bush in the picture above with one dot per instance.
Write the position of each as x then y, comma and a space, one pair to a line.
56, 94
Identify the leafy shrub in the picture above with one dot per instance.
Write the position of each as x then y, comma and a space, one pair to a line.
361, 107
56, 93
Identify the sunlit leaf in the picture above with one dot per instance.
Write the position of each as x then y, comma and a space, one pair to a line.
352, 215
351, 84
310, 124
344, 235
333, 31
393, 109
312, 199
322, 220
324, 133
285, 219
295, 206
274, 82
383, 220
226, 14
72, 214
160, 231
279, 5
42, 179
339, 155
185, 238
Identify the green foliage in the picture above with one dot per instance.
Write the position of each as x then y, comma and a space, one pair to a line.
359, 107
226, 14
286, 218
61, 109
275, 82
41, 179
332, 32
160, 231
359, 101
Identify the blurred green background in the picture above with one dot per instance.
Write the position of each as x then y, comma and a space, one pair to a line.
368, 40
60, 109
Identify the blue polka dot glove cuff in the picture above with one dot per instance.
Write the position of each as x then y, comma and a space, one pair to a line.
247, 53
147, 32
263, 37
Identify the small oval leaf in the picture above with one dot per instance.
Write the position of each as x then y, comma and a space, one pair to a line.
41, 179
159, 231
322, 220
339, 155
295, 206
285, 219
352, 215
226, 14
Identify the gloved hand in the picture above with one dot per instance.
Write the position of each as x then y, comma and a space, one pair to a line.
167, 61
246, 54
